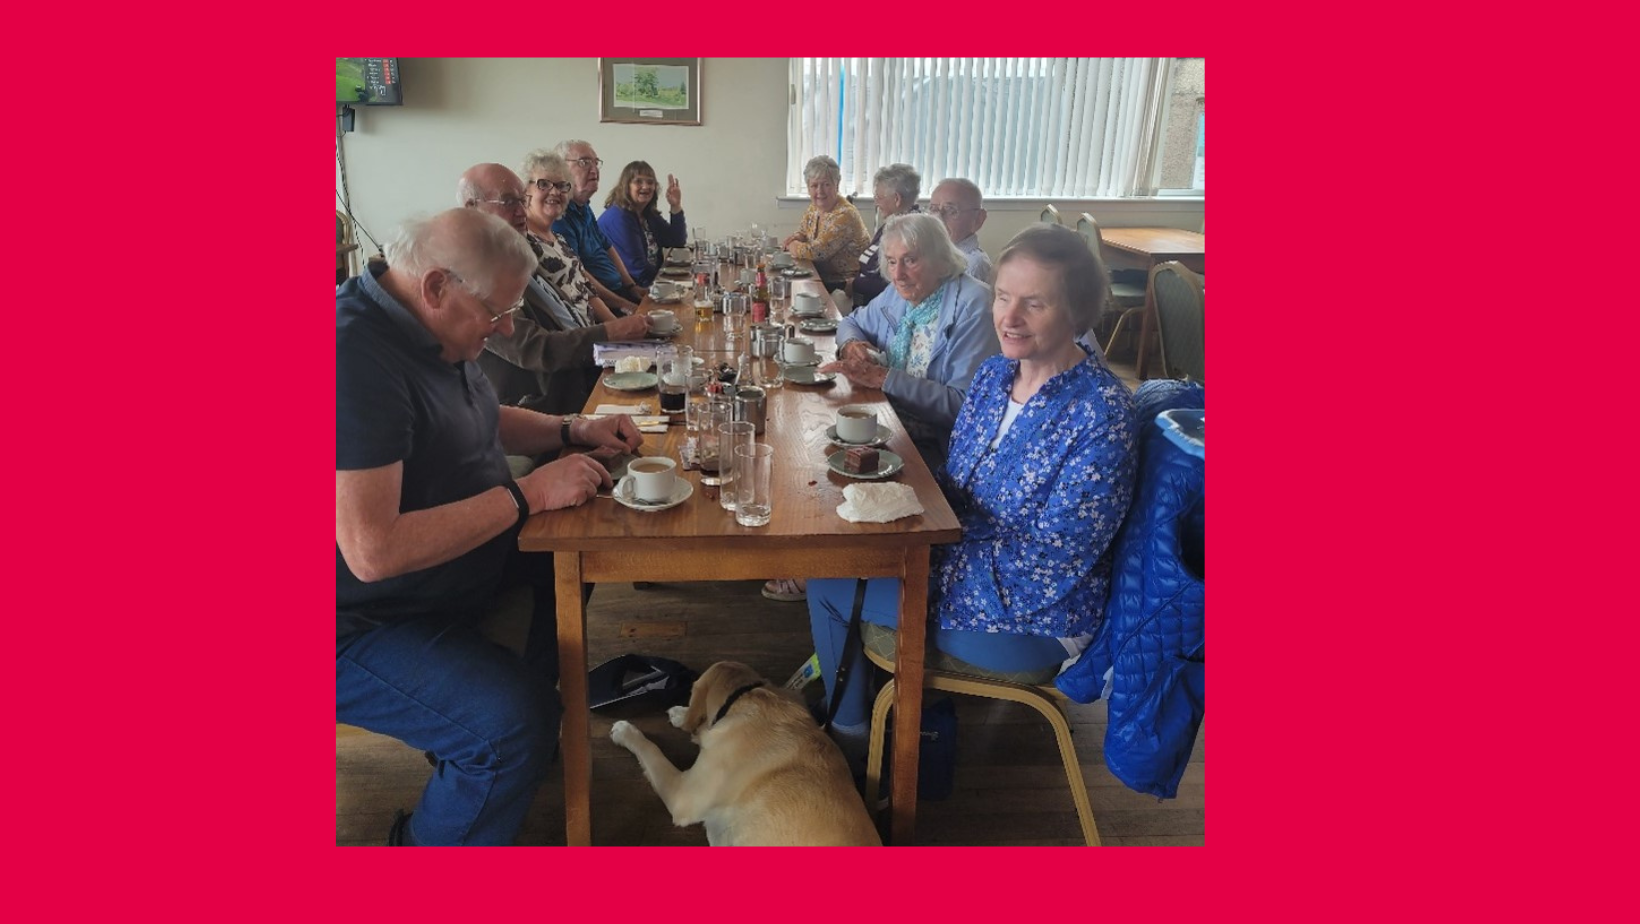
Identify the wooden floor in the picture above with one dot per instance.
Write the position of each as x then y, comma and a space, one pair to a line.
1010, 784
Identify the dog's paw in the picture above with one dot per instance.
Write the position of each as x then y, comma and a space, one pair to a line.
677, 715
624, 733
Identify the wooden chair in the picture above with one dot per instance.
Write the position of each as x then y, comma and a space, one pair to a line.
1180, 319
1051, 215
1125, 297
1045, 699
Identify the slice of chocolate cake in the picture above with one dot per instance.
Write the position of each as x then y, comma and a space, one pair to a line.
860, 460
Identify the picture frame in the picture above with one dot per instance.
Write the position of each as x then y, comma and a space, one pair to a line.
649, 91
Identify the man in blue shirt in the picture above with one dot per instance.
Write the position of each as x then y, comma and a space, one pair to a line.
579, 226
427, 519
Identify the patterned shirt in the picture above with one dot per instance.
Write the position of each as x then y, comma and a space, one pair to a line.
561, 271
1039, 512
832, 241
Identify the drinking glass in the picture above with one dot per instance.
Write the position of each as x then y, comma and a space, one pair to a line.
754, 483
780, 293
734, 433
735, 306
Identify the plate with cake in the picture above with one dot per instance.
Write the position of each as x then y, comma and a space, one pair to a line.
865, 462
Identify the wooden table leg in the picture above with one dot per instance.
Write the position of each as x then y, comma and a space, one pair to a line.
576, 737
908, 683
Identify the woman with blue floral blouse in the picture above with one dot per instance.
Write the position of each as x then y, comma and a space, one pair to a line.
1040, 473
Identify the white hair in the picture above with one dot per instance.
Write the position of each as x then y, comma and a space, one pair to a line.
822, 166
901, 179
477, 246
925, 236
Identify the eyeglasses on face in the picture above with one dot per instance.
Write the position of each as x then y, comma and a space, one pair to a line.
544, 185
645, 182
510, 203
946, 211
495, 318
588, 162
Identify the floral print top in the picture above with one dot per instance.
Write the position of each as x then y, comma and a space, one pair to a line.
832, 241
560, 269
1040, 512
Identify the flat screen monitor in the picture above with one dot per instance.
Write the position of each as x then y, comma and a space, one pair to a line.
368, 82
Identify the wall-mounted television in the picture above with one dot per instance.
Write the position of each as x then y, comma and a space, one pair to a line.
368, 82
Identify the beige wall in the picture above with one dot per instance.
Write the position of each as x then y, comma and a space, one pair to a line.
458, 112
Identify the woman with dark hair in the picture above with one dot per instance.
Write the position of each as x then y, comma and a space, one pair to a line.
633, 224
1040, 474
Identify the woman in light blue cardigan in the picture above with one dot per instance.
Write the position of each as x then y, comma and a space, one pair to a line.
922, 339
1040, 475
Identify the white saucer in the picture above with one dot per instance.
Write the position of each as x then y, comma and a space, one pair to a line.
887, 464
817, 325
632, 381
807, 362
883, 435
673, 300
681, 492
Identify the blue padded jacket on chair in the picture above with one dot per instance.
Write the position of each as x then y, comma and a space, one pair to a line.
1152, 639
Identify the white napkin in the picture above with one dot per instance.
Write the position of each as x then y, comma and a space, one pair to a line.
632, 364
650, 423
878, 503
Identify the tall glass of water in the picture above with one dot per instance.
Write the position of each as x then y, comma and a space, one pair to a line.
735, 306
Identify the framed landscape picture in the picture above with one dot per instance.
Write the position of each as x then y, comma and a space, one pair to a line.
660, 91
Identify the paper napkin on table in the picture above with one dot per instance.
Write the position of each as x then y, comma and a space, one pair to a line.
878, 503
647, 423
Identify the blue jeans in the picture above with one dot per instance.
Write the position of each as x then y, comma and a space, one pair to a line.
831, 600
488, 716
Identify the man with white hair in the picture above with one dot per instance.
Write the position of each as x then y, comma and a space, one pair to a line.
545, 363
427, 519
579, 226
958, 203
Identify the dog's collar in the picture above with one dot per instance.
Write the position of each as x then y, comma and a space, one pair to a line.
731, 700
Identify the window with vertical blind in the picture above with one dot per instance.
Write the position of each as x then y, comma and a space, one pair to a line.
1045, 127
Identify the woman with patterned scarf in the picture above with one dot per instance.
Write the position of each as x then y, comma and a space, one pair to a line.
919, 342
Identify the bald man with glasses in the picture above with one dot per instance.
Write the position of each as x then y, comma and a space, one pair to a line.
957, 202
545, 363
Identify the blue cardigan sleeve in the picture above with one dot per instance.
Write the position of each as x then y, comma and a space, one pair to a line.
966, 338
625, 235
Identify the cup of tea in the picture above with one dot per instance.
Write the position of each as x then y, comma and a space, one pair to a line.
654, 478
799, 350
856, 423
807, 304
662, 321
661, 290
780, 258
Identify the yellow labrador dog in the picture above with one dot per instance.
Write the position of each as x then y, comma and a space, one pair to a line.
766, 775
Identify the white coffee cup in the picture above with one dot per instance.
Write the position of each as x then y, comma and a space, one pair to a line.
663, 289
806, 303
653, 478
781, 259
661, 320
799, 350
856, 423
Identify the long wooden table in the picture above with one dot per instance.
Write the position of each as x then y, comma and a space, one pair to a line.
700, 541
1143, 248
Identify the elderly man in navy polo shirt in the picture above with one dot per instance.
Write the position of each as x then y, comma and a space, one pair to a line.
427, 519
579, 226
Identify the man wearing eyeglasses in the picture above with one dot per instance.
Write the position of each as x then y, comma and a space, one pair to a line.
958, 203
427, 519
610, 278
545, 363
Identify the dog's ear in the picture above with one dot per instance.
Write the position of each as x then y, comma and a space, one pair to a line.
695, 717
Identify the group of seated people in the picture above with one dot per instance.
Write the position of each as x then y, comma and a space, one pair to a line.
473, 341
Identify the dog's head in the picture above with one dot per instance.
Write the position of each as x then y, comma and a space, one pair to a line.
710, 692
